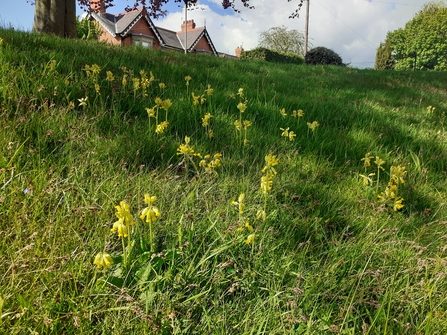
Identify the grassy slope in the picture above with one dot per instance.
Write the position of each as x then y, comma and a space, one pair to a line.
327, 258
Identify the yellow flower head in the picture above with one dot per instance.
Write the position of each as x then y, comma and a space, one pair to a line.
398, 204
242, 107
103, 260
266, 183
367, 179
123, 213
292, 136
379, 162
120, 228
161, 127
187, 79
150, 112
238, 125
162, 85
83, 101
250, 239
205, 120
185, 149
285, 132
240, 92
151, 212
166, 104
109, 76
283, 112
240, 203
298, 113
312, 126
271, 161
209, 91
367, 159
249, 227
261, 215
397, 174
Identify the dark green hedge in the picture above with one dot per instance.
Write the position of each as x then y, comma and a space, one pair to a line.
271, 56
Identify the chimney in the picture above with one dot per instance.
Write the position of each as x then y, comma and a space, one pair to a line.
98, 6
190, 25
238, 51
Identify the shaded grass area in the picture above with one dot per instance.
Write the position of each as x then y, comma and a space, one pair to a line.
328, 258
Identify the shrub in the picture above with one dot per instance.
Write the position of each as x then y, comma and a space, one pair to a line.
272, 56
324, 56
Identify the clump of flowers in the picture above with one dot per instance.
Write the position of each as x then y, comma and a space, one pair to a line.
153, 112
430, 110
290, 134
206, 124
267, 181
188, 153
211, 163
92, 72
103, 260
122, 226
312, 126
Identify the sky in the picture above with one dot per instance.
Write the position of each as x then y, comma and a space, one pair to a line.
352, 28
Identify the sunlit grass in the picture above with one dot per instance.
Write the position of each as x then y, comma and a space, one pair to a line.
158, 193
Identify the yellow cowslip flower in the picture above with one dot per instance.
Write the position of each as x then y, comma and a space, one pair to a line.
261, 215
389, 193
162, 85
185, 149
206, 119
240, 92
83, 101
397, 174
298, 113
161, 127
187, 79
103, 260
266, 183
97, 89
247, 124
242, 107
166, 104
285, 132
367, 179
246, 141
271, 161
249, 227
238, 125
151, 112
109, 76
283, 112
312, 126
430, 110
250, 239
398, 204
240, 203
379, 162
367, 159
210, 133
209, 91
120, 228
136, 83
151, 212
158, 101
123, 212
195, 99
124, 80
292, 136
71, 105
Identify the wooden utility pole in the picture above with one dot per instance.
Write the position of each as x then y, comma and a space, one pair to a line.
306, 28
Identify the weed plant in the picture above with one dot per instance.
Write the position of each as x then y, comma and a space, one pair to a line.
149, 192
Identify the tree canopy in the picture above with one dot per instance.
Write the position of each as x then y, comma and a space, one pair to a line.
280, 39
58, 17
422, 43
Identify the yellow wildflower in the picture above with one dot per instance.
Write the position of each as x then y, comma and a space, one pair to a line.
103, 260
249, 227
292, 136
151, 212
285, 132
261, 215
242, 107
209, 91
83, 101
238, 125
271, 161
150, 112
397, 174
312, 126
398, 204
109, 76
247, 124
240, 92
367, 179
120, 228
283, 112
161, 127
187, 79
379, 162
162, 85
123, 213
205, 119
298, 113
367, 159
166, 104
266, 183
240, 203
250, 239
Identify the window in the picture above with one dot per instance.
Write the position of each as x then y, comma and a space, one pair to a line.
143, 41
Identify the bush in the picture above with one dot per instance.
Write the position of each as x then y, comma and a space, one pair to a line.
324, 56
272, 56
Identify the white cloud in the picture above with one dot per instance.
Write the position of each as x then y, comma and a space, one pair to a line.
352, 28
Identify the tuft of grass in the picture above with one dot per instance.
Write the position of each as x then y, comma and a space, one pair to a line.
307, 249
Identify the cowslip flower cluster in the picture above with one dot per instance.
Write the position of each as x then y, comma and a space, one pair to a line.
103, 260
151, 212
390, 195
312, 126
290, 134
210, 164
125, 220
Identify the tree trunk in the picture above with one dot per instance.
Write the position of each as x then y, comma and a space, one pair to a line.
57, 17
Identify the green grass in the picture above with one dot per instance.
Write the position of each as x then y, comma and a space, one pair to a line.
329, 257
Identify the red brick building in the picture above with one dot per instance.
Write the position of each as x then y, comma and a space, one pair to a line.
136, 28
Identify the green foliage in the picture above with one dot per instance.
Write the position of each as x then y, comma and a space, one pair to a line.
282, 40
384, 57
422, 43
87, 30
322, 56
277, 235
271, 56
